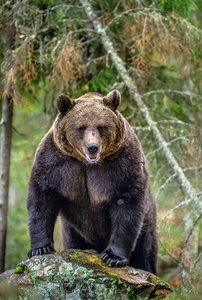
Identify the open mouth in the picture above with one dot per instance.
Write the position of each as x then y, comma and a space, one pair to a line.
92, 158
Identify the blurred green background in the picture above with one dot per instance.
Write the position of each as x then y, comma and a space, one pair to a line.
58, 51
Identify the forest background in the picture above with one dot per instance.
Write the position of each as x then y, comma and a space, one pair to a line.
151, 52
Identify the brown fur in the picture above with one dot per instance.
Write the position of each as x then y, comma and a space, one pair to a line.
89, 111
91, 170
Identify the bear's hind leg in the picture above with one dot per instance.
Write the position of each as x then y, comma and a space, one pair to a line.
144, 255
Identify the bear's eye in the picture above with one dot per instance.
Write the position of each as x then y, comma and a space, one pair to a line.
102, 128
82, 129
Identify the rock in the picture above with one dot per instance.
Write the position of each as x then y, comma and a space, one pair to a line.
77, 274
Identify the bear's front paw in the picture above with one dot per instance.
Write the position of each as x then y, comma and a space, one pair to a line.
40, 251
112, 259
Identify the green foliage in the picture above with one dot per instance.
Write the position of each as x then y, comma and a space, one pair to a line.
23, 149
101, 83
186, 293
57, 50
180, 7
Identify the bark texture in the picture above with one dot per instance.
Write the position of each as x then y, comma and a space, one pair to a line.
6, 135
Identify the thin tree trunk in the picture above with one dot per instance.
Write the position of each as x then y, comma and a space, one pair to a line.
185, 184
6, 135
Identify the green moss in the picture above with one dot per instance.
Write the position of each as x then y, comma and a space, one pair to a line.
112, 275
97, 276
157, 293
19, 270
154, 279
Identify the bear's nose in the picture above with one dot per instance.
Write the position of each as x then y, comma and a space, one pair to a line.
92, 148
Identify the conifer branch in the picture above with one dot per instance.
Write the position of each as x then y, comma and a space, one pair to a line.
44, 12
119, 64
136, 96
144, 10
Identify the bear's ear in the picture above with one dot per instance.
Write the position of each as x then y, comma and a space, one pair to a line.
112, 100
64, 103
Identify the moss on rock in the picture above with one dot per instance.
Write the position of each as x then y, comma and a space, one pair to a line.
18, 270
77, 274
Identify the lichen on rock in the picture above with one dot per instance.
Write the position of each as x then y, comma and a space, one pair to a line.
77, 274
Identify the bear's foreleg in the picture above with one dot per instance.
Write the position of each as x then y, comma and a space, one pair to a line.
126, 226
43, 210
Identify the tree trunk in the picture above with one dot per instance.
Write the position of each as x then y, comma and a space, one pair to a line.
6, 135
185, 184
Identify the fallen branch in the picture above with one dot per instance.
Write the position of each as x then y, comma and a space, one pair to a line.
173, 122
197, 259
184, 203
162, 187
136, 96
107, 43
191, 95
143, 10
185, 137
191, 230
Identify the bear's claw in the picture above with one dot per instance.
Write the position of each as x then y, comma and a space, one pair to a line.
40, 251
113, 260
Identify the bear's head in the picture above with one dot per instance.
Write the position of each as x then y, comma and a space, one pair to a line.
89, 128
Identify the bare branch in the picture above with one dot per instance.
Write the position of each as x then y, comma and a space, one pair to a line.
143, 33
173, 141
197, 259
135, 95
173, 122
18, 132
165, 184
173, 92
191, 230
184, 138
158, 172
184, 203
96, 59
116, 7
162, 187
142, 128
169, 254
154, 151
144, 10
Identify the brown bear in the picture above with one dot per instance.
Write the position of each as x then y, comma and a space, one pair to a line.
90, 169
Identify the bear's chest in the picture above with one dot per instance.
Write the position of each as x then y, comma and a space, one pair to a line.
94, 183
